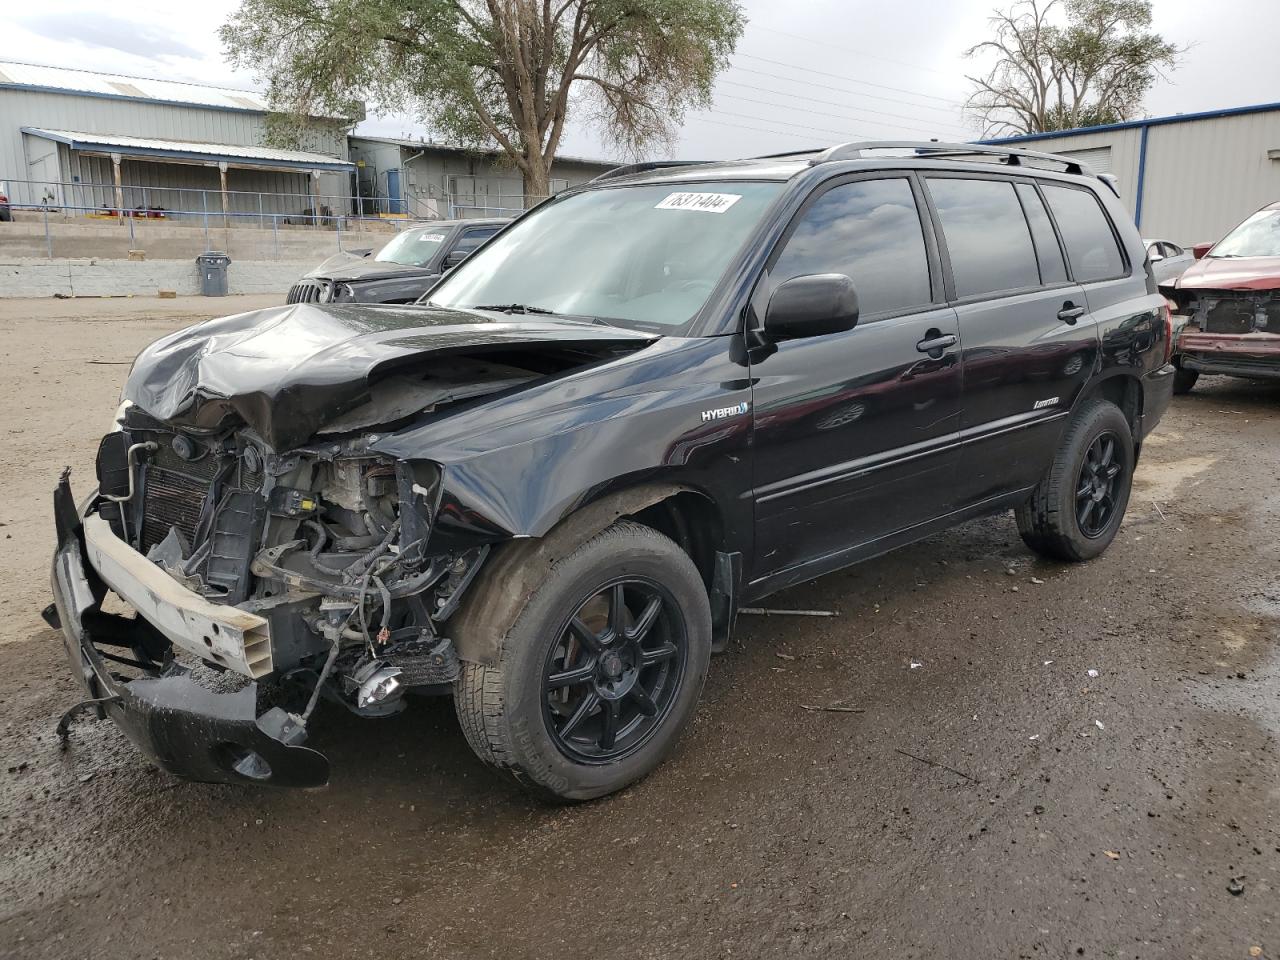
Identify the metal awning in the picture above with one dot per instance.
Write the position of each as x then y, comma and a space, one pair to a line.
187, 151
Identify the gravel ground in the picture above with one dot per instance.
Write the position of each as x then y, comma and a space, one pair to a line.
995, 801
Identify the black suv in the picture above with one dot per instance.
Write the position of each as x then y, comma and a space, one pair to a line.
402, 271
547, 490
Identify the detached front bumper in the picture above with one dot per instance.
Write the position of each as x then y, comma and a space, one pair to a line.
1232, 354
182, 726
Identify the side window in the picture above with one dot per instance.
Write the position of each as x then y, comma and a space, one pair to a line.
1053, 269
471, 239
870, 231
987, 235
1086, 232
1171, 249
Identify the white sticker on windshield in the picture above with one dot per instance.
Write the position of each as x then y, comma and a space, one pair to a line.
703, 202
437, 237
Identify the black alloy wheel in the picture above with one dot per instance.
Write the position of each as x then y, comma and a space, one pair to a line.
1076, 509
1101, 473
616, 669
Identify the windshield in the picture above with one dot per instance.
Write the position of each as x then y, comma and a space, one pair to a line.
1259, 236
412, 248
645, 257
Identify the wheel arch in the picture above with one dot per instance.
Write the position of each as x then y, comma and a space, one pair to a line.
1120, 388
514, 570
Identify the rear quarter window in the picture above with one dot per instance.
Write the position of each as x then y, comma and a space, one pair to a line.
1086, 233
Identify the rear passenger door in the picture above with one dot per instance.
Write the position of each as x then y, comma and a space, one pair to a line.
855, 432
1097, 262
1030, 343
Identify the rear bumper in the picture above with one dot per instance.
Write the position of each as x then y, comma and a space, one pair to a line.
1157, 391
1232, 354
182, 726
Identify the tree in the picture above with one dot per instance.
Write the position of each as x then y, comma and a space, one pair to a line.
485, 73
1094, 68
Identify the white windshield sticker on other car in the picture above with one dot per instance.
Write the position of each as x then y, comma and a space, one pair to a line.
433, 237
702, 202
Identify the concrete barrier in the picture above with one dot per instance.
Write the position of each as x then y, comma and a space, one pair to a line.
170, 240
20, 277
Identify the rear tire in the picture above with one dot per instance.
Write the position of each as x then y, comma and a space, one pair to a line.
1184, 380
1075, 511
590, 694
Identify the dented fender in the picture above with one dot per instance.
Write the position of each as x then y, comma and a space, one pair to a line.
516, 466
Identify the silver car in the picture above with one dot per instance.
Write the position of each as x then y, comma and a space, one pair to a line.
1168, 260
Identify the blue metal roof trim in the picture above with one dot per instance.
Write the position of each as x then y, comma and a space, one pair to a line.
340, 166
1135, 124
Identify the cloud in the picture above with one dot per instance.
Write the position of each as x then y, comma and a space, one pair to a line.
112, 33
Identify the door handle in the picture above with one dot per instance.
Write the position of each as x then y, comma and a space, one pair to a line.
1070, 313
935, 342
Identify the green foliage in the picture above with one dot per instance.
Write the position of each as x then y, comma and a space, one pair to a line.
492, 72
1066, 64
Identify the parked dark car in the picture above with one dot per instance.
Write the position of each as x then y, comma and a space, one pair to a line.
402, 271
1227, 305
6, 213
547, 490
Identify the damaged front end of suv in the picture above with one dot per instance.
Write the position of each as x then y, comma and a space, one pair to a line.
1227, 305
278, 539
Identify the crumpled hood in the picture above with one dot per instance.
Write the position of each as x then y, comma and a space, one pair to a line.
1232, 273
287, 371
344, 268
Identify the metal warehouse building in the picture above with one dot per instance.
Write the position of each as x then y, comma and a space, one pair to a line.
429, 180
81, 142
1187, 178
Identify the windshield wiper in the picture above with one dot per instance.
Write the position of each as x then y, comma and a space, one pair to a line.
513, 308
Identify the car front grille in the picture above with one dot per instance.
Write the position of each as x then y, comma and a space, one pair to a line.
309, 291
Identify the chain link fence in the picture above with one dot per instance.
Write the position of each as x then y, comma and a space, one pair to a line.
55, 220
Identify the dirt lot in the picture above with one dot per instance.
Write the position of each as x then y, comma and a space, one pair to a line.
995, 801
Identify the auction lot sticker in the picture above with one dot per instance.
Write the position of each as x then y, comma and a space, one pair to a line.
702, 202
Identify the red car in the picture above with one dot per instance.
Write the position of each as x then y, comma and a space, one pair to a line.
1228, 304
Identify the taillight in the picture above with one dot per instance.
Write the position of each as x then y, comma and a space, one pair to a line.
1168, 331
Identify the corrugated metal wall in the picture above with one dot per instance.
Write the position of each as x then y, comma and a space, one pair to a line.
477, 184
22, 157
1205, 177
1202, 177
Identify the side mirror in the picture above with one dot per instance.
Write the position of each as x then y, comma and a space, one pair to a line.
1200, 249
453, 258
811, 306
1155, 257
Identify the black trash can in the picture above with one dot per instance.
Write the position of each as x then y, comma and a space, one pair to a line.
212, 266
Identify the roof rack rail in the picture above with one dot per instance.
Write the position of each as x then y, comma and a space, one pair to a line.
1013, 157
629, 168
789, 153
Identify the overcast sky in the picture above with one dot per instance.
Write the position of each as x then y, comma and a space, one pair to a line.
806, 73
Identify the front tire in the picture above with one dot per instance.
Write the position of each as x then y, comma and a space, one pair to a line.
1184, 380
600, 673
1075, 511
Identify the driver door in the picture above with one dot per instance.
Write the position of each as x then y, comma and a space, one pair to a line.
856, 433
